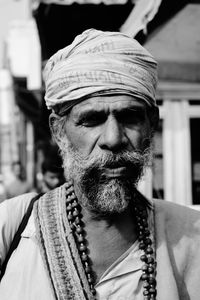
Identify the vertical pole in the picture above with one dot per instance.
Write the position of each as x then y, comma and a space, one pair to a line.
6, 118
30, 153
177, 153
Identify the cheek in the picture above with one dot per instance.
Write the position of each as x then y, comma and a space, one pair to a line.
145, 140
139, 139
135, 140
82, 140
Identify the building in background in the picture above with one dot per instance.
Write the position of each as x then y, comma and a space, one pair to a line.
20, 61
176, 45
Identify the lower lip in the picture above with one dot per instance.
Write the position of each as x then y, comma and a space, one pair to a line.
115, 172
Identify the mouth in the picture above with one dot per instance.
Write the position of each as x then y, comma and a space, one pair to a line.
116, 172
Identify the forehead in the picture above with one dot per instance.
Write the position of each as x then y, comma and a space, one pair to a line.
109, 103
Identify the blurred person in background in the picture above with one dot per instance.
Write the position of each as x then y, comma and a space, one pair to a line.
52, 174
18, 184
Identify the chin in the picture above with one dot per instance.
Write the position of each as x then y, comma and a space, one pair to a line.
112, 197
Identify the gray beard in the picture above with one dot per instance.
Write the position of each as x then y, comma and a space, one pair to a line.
104, 196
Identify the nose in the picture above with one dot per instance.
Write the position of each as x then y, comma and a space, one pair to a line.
113, 136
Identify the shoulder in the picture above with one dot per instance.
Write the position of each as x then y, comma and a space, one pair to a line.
177, 219
11, 214
171, 209
16, 207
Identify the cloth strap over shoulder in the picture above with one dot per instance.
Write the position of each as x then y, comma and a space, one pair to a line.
17, 236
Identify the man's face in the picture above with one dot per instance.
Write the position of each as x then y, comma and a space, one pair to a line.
107, 138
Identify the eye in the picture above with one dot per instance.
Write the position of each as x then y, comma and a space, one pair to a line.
91, 119
131, 117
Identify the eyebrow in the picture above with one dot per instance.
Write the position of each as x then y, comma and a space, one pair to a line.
134, 108
90, 111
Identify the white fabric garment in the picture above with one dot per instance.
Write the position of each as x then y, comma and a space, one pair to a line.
120, 280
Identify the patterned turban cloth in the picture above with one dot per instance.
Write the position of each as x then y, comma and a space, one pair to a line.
99, 63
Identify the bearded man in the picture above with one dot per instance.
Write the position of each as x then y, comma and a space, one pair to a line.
97, 237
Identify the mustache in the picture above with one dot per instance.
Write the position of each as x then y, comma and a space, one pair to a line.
105, 160
91, 167
135, 161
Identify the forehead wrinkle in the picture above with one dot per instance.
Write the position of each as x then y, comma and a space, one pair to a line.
107, 104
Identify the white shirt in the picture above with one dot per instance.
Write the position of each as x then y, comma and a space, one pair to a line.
120, 280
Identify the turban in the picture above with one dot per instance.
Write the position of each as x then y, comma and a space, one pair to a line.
99, 63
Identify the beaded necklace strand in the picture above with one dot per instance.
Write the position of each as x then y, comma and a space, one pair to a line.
145, 243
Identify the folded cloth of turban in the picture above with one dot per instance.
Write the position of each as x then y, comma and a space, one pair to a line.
99, 63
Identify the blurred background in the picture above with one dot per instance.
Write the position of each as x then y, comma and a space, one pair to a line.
32, 30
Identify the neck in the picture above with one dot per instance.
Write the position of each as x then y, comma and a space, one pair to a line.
123, 221
116, 231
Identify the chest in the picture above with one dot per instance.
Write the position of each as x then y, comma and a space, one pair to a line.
105, 251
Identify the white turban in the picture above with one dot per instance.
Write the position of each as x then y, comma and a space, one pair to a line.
99, 63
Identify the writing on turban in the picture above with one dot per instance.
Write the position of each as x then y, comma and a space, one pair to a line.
98, 63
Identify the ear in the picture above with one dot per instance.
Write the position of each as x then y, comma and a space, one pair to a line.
52, 119
154, 117
55, 127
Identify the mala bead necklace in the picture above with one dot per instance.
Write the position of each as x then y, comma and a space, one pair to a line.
77, 226
145, 243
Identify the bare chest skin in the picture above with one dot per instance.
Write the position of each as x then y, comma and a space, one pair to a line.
108, 240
